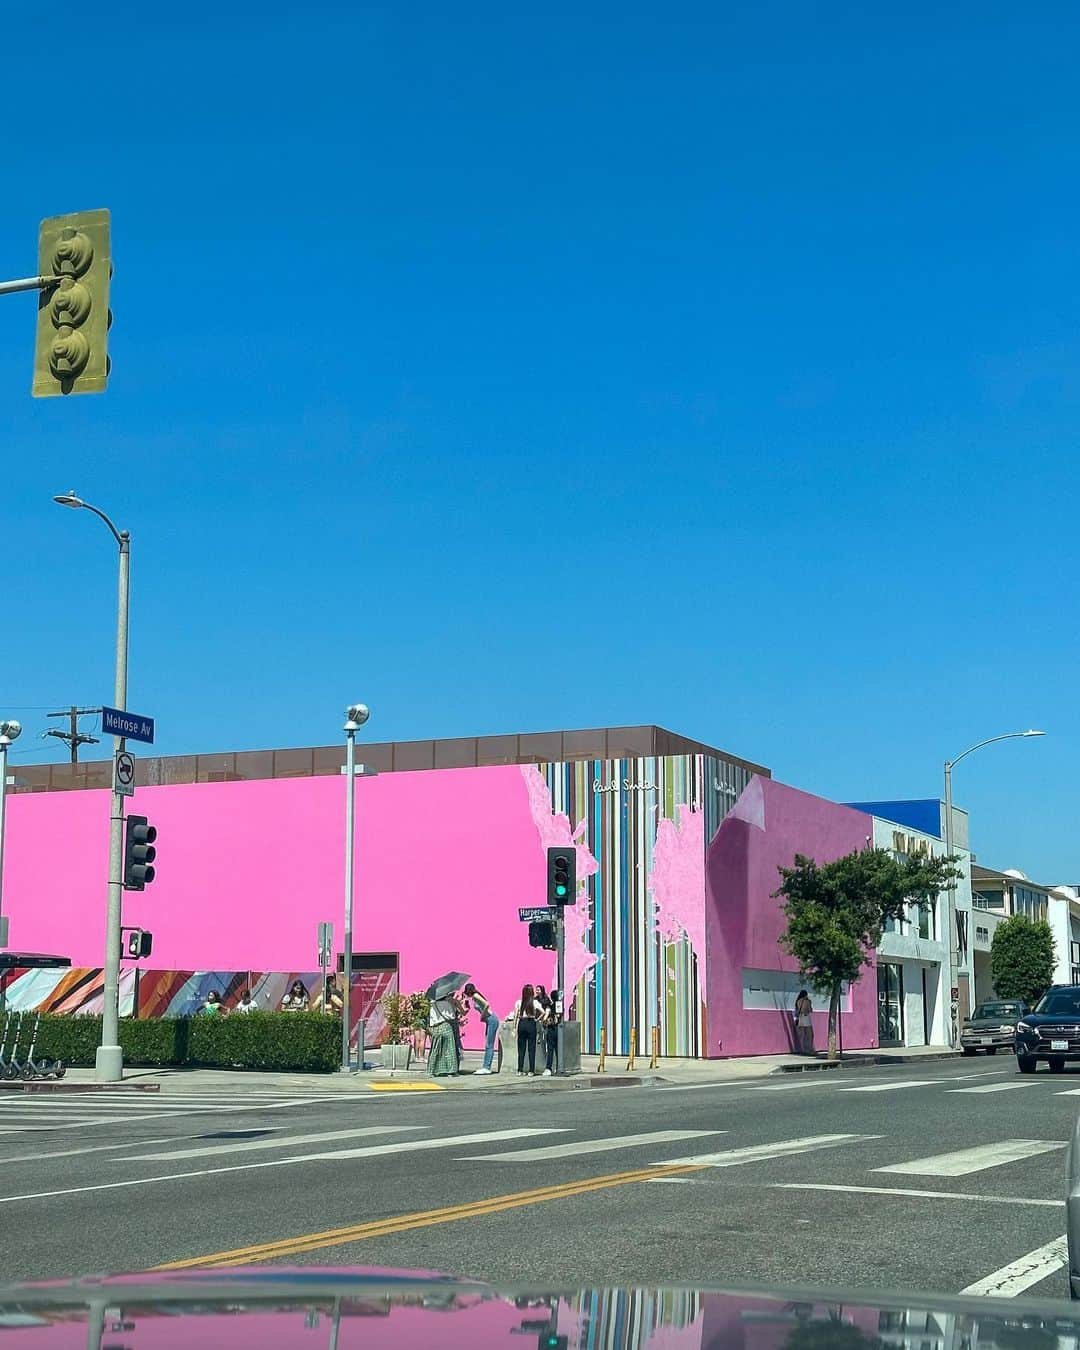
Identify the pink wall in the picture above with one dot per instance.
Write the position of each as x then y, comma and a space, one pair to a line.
768, 825
246, 871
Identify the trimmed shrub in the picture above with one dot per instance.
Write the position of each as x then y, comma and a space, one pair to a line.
305, 1042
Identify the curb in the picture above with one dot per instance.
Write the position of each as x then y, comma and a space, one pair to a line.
863, 1062
53, 1086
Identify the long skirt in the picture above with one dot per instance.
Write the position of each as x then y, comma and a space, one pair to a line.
442, 1054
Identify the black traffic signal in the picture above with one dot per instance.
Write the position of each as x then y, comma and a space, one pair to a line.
139, 853
561, 876
70, 353
139, 943
542, 934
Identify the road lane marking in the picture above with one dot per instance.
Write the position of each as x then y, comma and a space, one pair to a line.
336, 1237
410, 1146
893, 1087
965, 1160
914, 1194
102, 1148
780, 1148
1022, 1273
250, 1145
992, 1087
571, 1149
698, 1087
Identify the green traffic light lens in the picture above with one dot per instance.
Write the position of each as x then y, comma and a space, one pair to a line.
560, 890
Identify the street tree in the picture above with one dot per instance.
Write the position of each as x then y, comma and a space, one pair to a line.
835, 913
1022, 958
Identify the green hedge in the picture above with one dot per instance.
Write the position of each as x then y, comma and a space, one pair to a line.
308, 1042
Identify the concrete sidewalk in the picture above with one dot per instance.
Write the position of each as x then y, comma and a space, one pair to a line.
669, 1072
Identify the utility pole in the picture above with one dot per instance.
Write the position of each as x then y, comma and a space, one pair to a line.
73, 738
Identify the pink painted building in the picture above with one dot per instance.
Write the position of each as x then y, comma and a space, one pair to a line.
677, 843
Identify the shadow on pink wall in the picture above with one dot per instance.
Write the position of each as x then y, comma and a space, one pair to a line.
768, 825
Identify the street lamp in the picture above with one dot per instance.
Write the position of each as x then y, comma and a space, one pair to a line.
356, 714
10, 730
109, 1061
954, 950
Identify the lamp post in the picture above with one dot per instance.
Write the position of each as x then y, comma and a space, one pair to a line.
355, 716
109, 1062
10, 730
954, 948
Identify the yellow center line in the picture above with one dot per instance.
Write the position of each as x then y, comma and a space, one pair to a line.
334, 1237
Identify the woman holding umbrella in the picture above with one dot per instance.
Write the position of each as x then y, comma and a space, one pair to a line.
443, 1058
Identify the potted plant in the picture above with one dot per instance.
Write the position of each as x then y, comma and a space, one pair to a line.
419, 1006
396, 1053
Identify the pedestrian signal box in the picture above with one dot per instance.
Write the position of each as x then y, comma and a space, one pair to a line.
542, 934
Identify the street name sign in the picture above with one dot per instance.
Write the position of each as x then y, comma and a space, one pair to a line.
134, 726
536, 913
123, 774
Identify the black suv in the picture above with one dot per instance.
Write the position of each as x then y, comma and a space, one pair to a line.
1051, 1031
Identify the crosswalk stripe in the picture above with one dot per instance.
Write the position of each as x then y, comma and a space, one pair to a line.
1022, 1273
911, 1194
1069, 1092
992, 1087
572, 1149
37, 1154
978, 1159
417, 1145
409, 1146
891, 1087
780, 1148
282, 1141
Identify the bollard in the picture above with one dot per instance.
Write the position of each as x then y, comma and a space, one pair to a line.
603, 1051
654, 1062
633, 1049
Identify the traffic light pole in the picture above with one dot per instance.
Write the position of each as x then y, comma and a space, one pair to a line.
560, 975
109, 1062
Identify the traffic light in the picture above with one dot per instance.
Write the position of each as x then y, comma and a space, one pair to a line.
542, 934
70, 353
140, 943
139, 853
562, 876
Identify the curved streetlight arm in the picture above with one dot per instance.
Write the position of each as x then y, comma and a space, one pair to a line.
121, 536
1007, 736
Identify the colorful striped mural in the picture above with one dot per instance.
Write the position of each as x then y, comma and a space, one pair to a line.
642, 914
182, 993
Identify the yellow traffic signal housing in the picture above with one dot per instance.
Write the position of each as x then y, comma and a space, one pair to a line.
70, 353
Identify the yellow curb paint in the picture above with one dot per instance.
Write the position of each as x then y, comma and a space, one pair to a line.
406, 1087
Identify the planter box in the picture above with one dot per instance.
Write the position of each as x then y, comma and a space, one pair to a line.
396, 1056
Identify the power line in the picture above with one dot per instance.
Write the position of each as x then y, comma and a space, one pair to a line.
73, 737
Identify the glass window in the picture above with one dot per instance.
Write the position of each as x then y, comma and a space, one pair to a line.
584, 744
890, 982
292, 763
456, 754
540, 747
630, 742
414, 755
497, 750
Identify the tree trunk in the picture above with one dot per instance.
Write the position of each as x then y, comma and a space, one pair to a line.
834, 1012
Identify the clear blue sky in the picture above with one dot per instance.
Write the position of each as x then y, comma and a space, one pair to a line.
712, 365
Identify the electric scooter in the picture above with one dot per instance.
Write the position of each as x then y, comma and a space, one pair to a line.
9, 1067
40, 1068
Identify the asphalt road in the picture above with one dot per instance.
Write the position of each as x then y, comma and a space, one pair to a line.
936, 1177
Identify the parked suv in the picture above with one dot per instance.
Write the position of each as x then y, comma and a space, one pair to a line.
1051, 1031
992, 1026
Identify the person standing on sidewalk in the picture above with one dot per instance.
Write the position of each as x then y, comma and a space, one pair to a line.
552, 1018
527, 1014
489, 1022
804, 1024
